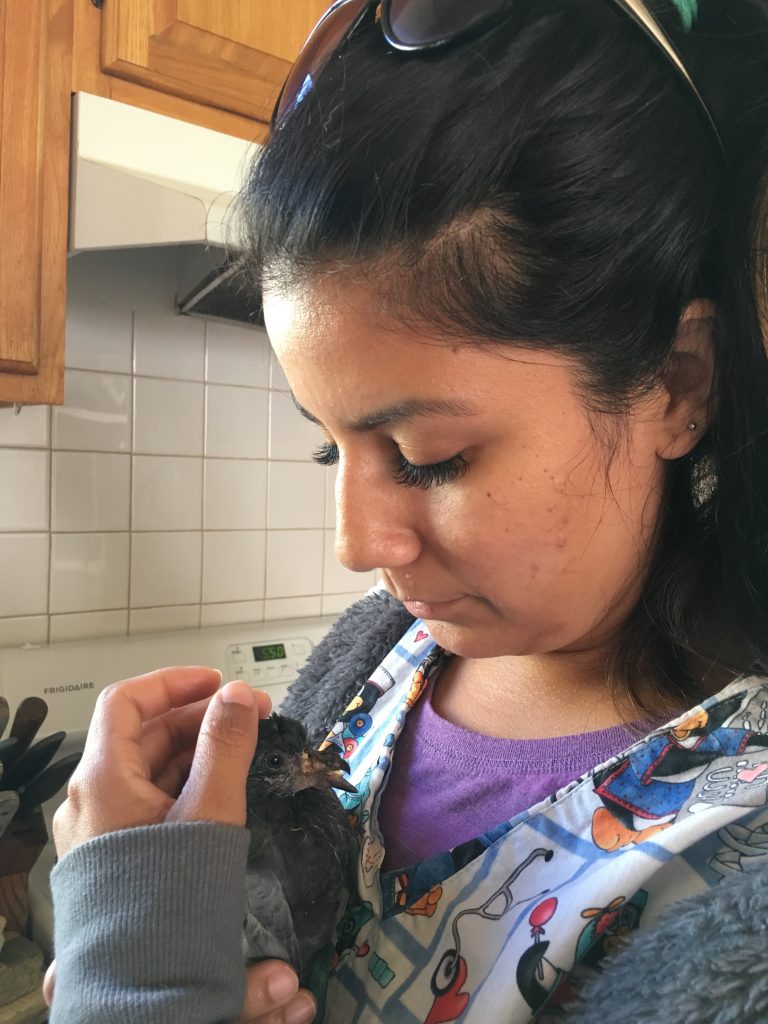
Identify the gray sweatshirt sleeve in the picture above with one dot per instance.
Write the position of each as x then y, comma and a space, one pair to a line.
148, 924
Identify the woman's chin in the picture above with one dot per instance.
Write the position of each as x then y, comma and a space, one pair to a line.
486, 640
463, 640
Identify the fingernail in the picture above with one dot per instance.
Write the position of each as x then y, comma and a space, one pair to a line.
237, 693
281, 985
300, 1011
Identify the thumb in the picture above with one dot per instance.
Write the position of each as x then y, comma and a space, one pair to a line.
49, 982
215, 788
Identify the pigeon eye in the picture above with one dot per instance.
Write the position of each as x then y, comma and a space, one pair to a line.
274, 761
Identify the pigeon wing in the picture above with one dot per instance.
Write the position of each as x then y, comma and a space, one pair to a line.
268, 928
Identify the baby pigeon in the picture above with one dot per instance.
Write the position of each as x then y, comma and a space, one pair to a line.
299, 871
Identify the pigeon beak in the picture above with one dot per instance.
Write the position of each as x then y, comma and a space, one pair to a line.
342, 783
317, 774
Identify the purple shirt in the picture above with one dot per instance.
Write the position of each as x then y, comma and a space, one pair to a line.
448, 785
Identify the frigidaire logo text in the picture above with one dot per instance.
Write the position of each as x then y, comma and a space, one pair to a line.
69, 688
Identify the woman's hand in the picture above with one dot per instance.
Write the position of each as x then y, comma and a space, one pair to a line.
165, 746
272, 997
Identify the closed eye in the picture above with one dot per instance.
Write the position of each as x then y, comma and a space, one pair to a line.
406, 473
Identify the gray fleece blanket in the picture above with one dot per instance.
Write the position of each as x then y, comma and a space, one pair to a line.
704, 961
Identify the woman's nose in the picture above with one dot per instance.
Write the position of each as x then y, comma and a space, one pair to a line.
374, 529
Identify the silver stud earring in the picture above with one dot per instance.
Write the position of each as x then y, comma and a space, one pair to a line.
692, 425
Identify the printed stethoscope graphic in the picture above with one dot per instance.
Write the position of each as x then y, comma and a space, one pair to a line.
451, 971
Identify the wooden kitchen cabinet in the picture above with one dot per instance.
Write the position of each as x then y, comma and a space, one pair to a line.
217, 63
232, 55
35, 72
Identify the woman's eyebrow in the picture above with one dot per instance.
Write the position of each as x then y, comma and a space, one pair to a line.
400, 411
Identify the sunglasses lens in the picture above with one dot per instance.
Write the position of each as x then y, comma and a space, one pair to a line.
324, 40
416, 23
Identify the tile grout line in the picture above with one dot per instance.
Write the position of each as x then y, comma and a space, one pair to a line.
180, 380
162, 607
267, 486
49, 582
130, 472
177, 530
206, 353
322, 553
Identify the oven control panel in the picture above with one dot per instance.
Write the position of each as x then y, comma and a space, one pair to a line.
273, 663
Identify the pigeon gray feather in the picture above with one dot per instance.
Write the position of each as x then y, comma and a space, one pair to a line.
299, 871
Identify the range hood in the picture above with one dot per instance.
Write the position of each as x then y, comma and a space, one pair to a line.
144, 179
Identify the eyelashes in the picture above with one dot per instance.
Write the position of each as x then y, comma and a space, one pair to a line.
326, 455
406, 473
434, 475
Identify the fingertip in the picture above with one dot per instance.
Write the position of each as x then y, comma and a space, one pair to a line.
302, 1009
238, 692
265, 703
282, 984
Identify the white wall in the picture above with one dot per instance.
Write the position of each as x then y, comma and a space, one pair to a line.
174, 488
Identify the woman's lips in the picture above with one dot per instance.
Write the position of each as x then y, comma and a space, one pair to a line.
431, 609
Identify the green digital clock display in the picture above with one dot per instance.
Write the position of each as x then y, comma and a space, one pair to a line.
269, 652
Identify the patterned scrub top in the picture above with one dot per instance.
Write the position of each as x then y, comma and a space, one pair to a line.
505, 928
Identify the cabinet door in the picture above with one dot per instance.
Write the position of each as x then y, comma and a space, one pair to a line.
233, 55
35, 101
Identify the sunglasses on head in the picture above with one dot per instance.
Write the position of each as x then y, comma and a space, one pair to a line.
412, 26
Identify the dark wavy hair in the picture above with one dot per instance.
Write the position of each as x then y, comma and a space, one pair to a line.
552, 183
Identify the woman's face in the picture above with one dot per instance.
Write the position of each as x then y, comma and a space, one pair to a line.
527, 537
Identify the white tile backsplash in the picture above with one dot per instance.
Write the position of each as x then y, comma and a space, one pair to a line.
235, 494
168, 417
277, 380
291, 436
294, 563
236, 422
291, 607
28, 426
233, 566
237, 355
89, 571
177, 475
85, 625
296, 496
96, 415
335, 604
90, 491
24, 489
231, 611
330, 497
337, 579
24, 573
24, 629
99, 337
165, 568
167, 493
159, 620
166, 344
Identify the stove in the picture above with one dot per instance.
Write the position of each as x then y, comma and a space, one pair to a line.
70, 676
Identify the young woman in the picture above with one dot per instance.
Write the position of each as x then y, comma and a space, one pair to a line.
512, 263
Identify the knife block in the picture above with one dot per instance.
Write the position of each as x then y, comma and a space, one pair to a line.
20, 847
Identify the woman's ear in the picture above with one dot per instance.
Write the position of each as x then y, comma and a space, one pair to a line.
688, 380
